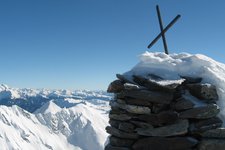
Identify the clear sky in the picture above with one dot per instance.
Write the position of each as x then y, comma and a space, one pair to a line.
82, 44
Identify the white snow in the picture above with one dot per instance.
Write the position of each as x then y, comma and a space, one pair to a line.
171, 66
62, 120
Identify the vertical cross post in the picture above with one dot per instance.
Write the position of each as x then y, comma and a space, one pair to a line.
161, 28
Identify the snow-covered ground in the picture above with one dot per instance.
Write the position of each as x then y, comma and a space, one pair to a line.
32, 119
173, 66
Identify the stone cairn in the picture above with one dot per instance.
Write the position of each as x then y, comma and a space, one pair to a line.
151, 113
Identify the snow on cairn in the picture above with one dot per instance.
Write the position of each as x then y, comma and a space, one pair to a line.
173, 66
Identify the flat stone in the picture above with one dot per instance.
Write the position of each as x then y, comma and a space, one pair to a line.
214, 133
115, 86
126, 127
119, 142
160, 143
138, 102
167, 117
157, 85
157, 108
164, 117
189, 80
179, 128
117, 110
140, 124
182, 104
203, 91
130, 86
151, 119
124, 79
120, 117
110, 147
131, 108
121, 134
204, 125
212, 144
114, 123
154, 97
203, 112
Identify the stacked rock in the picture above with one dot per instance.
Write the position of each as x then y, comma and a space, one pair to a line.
151, 113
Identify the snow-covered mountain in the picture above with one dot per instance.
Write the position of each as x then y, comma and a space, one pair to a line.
52, 119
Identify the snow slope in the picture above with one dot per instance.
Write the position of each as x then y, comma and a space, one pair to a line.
184, 64
52, 119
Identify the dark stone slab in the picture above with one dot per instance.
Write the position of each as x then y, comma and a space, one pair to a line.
164, 117
114, 123
124, 79
131, 108
130, 86
206, 124
121, 134
120, 117
157, 108
154, 97
160, 143
189, 80
182, 104
212, 144
157, 85
110, 147
203, 91
138, 102
203, 112
119, 142
179, 128
126, 127
115, 86
140, 124
167, 117
214, 133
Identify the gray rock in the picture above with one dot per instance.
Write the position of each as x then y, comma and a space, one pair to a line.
157, 85
110, 147
206, 124
140, 124
203, 112
212, 144
179, 128
124, 79
214, 133
126, 127
115, 87
120, 117
182, 104
138, 102
129, 86
114, 123
189, 80
119, 142
154, 97
121, 134
165, 117
203, 91
157, 108
160, 143
131, 108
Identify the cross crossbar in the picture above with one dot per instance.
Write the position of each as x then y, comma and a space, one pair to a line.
163, 31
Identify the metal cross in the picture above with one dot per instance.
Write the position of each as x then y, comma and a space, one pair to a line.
163, 31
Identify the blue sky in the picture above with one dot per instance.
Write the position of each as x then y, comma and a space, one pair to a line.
82, 44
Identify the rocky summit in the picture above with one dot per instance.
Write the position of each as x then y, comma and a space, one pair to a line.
152, 113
